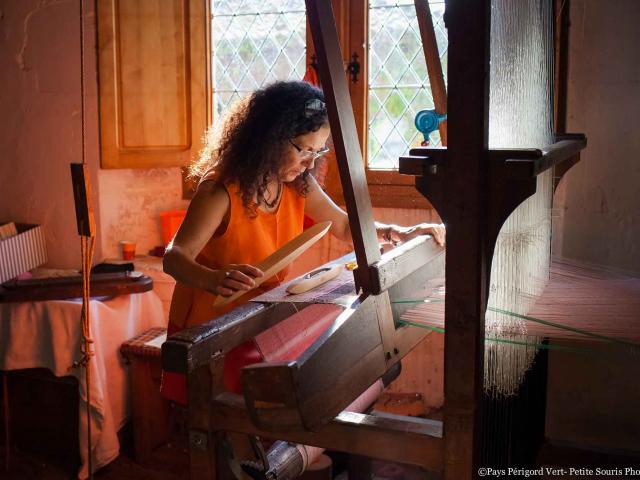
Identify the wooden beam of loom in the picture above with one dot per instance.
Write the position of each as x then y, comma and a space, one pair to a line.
193, 347
467, 272
345, 138
415, 441
312, 390
434, 65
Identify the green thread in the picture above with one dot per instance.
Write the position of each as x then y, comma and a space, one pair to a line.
634, 346
543, 346
566, 327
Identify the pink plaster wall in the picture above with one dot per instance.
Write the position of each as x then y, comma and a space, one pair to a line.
593, 401
40, 134
40, 128
130, 205
598, 202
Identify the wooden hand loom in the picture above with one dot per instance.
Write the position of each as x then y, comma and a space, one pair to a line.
301, 400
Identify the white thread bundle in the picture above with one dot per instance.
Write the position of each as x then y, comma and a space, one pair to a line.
520, 116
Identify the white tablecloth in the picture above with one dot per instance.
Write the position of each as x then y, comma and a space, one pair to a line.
48, 335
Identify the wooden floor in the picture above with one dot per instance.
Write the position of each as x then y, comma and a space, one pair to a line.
168, 462
602, 465
171, 463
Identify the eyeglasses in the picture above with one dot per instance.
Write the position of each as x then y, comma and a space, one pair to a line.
310, 154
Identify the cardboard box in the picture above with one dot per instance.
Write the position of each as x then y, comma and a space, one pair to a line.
22, 252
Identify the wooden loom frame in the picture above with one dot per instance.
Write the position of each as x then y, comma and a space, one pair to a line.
291, 400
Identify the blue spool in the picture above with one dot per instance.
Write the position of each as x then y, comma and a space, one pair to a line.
428, 121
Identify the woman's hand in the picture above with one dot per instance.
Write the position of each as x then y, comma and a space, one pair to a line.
234, 278
395, 234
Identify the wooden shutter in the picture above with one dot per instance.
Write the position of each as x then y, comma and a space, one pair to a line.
154, 81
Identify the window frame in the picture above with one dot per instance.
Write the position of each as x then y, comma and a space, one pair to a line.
387, 188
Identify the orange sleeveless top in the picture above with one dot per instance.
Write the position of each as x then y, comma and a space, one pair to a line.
246, 240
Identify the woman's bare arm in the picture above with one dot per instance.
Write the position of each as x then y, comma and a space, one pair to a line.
321, 208
205, 214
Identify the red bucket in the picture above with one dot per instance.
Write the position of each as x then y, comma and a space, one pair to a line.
171, 221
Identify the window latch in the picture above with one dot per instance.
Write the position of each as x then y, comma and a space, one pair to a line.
353, 67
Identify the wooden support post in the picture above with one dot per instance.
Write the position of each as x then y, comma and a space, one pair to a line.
466, 215
561, 9
474, 191
345, 138
203, 445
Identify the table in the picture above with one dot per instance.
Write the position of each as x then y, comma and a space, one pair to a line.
47, 334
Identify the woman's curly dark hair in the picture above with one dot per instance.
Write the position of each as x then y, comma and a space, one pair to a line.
249, 145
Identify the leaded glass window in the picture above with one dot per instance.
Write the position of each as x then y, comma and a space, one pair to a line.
255, 42
398, 81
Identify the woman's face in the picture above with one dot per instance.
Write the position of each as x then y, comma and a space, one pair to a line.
301, 153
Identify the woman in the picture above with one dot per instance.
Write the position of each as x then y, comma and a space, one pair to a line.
253, 193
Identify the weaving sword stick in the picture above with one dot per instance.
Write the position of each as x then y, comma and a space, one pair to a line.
282, 257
